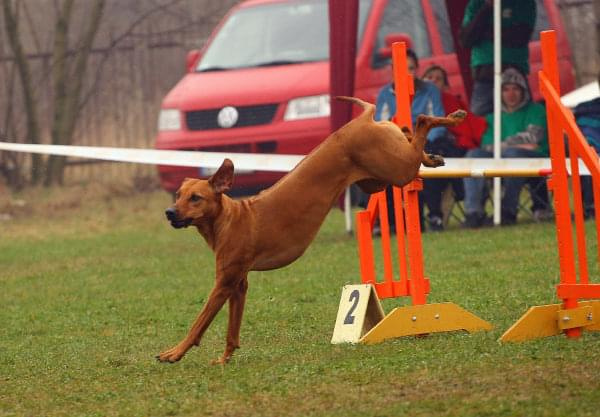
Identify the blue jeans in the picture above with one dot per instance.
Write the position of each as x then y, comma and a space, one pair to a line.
476, 191
482, 97
587, 190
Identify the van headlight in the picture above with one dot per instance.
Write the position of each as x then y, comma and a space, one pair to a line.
307, 108
169, 119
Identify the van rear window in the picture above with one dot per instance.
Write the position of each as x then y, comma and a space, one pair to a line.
541, 20
404, 16
443, 24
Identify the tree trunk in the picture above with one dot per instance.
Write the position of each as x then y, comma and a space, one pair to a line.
68, 83
60, 72
10, 168
33, 130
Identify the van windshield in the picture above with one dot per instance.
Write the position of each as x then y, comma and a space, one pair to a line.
274, 34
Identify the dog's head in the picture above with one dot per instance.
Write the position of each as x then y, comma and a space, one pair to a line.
199, 200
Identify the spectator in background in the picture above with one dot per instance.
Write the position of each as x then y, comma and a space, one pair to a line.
523, 135
457, 142
427, 100
587, 116
518, 21
467, 135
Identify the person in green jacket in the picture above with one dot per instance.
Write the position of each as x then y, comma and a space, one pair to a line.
477, 34
523, 135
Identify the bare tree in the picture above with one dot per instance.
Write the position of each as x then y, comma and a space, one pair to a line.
33, 131
68, 76
54, 61
68, 81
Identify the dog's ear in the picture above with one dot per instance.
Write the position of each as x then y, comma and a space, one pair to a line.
222, 180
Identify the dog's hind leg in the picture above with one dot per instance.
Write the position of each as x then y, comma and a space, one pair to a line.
237, 301
426, 123
431, 160
407, 133
428, 159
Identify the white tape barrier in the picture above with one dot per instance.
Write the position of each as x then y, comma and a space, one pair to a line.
584, 93
257, 162
241, 161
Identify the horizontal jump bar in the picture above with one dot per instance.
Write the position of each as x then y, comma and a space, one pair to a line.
578, 290
484, 173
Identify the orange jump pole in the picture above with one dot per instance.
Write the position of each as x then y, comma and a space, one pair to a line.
419, 318
573, 316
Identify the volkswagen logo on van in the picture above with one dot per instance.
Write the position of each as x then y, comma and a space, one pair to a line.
227, 117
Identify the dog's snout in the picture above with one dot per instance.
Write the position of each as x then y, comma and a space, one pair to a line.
171, 213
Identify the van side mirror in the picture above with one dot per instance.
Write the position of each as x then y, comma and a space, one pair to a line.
192, 58
386, 51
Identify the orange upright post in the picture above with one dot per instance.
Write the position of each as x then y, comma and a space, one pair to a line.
573, 316
418, 284
411, 280
420, 318
406, 213
406, 202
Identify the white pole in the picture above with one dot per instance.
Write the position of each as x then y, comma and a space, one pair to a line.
497, 101
348, 211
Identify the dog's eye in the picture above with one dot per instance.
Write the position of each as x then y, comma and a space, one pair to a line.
195, 197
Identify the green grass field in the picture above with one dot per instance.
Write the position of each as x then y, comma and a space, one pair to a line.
94, 286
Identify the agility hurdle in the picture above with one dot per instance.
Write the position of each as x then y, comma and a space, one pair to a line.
419, 318
573, 315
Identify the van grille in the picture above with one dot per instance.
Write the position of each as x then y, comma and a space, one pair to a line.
248, 116
255, 147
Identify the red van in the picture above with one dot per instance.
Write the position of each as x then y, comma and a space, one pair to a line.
261, 82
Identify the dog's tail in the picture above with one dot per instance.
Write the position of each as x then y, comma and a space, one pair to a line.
368, 108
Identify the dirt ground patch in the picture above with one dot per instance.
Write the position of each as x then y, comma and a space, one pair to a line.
58, 201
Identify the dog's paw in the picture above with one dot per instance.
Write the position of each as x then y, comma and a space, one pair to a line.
223, 360
171, 355
435, 161
458, 115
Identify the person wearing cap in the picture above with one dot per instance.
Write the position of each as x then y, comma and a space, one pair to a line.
523, 135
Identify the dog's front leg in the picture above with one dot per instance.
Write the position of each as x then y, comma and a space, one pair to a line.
237, 300
216, 299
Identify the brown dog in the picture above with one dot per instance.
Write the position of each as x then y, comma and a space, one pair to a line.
274, 228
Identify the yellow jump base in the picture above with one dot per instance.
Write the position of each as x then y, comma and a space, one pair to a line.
424, 319
552, 319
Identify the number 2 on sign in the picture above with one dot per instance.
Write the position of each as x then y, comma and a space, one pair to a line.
354, 295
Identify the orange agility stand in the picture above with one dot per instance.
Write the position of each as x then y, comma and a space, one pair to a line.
420, 318
572, 316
